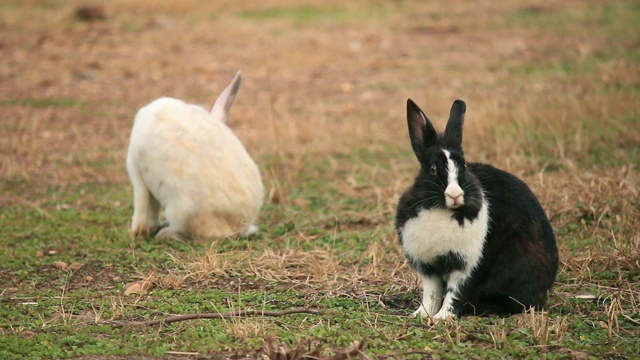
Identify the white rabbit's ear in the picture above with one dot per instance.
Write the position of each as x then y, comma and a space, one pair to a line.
225, 100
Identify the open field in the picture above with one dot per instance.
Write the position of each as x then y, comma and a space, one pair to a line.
553, 95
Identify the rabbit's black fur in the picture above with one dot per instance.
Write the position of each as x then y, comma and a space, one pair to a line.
476, 235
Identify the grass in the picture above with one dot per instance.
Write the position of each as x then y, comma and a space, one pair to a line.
551, 97
314, 14
43, 103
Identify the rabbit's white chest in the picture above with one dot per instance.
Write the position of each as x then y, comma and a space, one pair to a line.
434, 232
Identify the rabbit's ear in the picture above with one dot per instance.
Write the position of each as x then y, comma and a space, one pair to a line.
421, 131
225, 100
453, 132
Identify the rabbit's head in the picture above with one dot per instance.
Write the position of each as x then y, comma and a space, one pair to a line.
443, 181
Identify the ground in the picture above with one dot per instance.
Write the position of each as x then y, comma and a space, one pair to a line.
552, 94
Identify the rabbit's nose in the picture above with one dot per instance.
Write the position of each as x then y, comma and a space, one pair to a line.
454, 194
454, 191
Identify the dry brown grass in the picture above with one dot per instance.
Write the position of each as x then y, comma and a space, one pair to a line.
347, 80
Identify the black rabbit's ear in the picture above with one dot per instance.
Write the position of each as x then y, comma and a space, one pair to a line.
453, 132
421, 131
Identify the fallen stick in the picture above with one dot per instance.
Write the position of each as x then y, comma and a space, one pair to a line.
176, 318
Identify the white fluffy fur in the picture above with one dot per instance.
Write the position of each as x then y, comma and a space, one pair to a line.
187, 161
434, 232
453, 193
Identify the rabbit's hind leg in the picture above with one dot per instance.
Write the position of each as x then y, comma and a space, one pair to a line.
167, 233
249, 231
177, 224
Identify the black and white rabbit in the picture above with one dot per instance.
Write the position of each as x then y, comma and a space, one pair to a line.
476, 235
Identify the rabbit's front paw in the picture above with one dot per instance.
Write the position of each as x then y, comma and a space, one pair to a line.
444, 314
139, 229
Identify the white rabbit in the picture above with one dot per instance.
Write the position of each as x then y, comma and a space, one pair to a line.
188, 162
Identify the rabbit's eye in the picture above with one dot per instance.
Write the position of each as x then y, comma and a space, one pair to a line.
434, 169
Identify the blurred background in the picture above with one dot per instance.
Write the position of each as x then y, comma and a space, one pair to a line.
547, 83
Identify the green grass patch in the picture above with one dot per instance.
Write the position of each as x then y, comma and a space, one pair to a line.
619, 16
315, 15
44, 103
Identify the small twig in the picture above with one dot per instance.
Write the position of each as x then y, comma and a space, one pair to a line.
176, 318
630, 318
